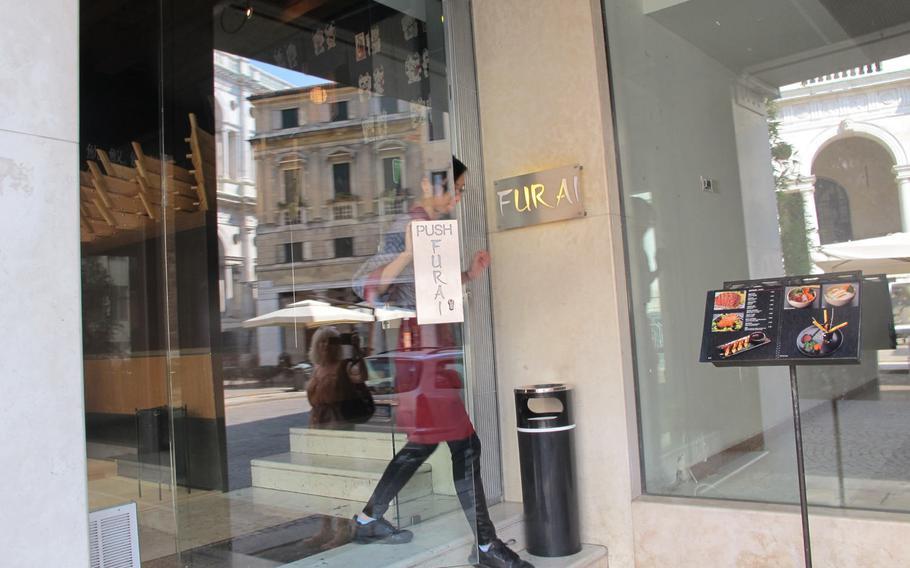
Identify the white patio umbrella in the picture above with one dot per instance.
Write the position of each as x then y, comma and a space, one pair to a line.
391, 313
879, 255
309, 313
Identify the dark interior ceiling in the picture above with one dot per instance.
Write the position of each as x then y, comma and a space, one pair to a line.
862, 17
785, 41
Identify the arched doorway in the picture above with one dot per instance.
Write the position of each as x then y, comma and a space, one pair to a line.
856, 191
833, 207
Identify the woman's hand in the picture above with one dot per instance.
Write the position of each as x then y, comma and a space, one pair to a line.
408, 251
356, 371
479, 263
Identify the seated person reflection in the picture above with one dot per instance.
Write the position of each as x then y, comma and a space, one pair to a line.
435, 412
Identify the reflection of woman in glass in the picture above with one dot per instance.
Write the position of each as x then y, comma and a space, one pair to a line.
437, 413
331, 390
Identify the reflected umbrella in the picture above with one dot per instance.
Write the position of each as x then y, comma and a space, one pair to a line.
310, 313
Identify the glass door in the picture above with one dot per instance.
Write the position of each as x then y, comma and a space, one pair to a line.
303, 139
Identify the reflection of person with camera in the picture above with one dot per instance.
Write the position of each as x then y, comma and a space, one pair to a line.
389, 280
338, 399
336, 392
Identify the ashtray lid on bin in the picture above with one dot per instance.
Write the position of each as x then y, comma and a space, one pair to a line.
543, 388
544, 408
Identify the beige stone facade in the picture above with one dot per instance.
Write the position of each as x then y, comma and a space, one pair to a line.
315, 230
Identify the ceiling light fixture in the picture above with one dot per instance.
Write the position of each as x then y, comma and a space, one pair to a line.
318, 95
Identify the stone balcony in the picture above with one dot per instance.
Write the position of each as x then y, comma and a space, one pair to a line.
340, 211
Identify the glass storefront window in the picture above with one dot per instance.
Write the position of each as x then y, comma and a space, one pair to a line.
759, 140
255, 373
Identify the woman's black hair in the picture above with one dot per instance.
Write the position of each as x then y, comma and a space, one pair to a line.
458, 167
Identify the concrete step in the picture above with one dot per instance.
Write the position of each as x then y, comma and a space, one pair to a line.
332, 476
374, 445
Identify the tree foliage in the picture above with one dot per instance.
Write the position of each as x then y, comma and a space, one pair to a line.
791, 214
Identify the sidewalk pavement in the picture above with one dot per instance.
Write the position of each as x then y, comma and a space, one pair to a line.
233, 397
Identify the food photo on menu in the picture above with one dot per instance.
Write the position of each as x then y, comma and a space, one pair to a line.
821, 339
801, 297
821, 321
729, 299
840, 294
728, 322
749, 342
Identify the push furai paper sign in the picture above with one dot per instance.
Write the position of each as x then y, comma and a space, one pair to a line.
437, 271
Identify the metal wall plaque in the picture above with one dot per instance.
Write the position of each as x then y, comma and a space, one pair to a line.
539, 197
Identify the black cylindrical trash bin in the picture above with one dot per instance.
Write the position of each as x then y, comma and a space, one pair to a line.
546, 449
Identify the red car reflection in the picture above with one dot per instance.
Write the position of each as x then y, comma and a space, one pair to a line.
423, 389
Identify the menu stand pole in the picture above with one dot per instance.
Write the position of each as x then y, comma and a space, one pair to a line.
800, 466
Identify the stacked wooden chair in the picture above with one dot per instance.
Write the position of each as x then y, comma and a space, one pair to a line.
121, 204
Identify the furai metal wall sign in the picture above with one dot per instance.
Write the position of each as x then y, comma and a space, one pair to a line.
539, 197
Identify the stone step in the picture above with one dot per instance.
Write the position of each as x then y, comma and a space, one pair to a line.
332, 476
511, 531
445, 538
403, 514
128, 465
591, 556
446, 541
375, 445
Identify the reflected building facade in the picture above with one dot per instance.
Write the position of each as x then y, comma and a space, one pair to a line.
336, 166
237, 79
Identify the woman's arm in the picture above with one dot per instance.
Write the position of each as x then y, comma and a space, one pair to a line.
394, 268
479, 263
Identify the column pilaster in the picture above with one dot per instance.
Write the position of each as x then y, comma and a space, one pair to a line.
806, 188
903, 187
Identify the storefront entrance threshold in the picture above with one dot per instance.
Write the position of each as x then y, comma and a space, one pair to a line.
446, 541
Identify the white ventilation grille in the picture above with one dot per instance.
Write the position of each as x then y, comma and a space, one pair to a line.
114, 537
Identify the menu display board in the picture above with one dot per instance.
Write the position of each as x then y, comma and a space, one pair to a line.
791, 321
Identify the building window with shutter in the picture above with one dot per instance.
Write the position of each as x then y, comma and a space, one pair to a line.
391, 173
293, 252
339, 111
291, 185
341, 177
233, 154
344, 247
388, 105
289, 118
